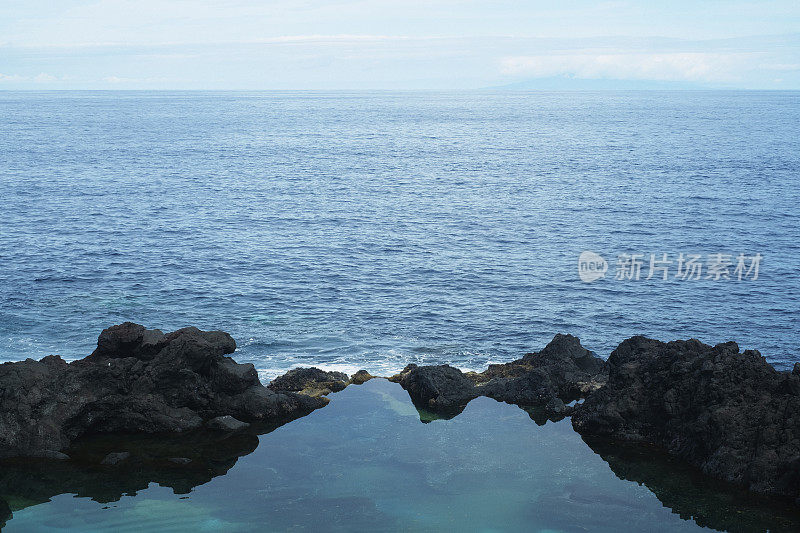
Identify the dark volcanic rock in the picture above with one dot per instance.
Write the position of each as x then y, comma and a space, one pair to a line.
731, 414
360, 377
115, 458
562, 372
5, 513
563, 369
440, 389
227, 423
310, 381
556, 406
137, 380
50, 454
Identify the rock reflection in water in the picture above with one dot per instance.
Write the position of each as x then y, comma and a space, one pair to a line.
692, 495
179, 462
365, 462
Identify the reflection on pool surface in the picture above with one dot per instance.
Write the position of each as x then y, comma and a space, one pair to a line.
365, 462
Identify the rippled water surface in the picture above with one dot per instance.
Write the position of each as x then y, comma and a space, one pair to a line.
370, 230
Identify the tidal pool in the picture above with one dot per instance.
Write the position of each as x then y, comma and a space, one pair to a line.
366, 462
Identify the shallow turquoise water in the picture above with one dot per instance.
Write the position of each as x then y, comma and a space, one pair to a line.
366, 463
370, 230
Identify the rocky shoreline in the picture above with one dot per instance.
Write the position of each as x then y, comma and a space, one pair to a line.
136, 381
730, 414
563, 372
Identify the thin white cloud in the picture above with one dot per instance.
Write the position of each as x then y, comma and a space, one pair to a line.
670, 66
349, 60
280, 39
783, 67
121, 80
42, 77
12, 77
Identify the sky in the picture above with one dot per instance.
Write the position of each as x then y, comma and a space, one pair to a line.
404, 44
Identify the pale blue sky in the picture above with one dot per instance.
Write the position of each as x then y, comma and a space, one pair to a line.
410, 44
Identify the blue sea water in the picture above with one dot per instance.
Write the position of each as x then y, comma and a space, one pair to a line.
370, 230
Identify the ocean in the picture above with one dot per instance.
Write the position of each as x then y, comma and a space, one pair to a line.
375, 229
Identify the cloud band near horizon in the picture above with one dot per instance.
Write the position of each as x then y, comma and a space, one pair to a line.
442, 44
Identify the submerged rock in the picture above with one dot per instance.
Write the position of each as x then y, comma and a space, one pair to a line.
136, 381
731, 414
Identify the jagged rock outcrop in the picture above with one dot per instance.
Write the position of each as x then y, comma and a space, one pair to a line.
440, 389
310, 381
360, 377
137, 380
562, 372
731, 414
